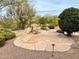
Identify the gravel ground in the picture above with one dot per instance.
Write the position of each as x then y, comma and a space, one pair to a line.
9, 51
44, 40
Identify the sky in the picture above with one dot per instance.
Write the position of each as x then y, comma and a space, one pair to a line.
53, 7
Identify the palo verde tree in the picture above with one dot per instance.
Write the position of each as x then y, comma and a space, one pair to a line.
69, 20
18, 9
23, 11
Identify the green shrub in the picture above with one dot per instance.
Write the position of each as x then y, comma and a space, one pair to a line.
8, 34
48, 21
5, 34
2, 40
69, 20
43, 21
9, 23
53, 21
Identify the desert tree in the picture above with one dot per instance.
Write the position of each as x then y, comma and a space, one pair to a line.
23, 11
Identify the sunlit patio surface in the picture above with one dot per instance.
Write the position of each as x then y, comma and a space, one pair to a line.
44, 40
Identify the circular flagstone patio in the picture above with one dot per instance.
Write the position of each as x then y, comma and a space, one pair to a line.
44, 41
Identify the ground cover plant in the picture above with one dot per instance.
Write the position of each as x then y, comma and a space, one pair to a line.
6, 34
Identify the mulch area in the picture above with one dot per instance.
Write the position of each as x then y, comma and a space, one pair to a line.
9, 51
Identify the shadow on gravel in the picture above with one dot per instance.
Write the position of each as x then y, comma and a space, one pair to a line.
9, 51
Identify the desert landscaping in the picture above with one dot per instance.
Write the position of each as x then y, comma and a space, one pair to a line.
39, 29
44, 40
24, 48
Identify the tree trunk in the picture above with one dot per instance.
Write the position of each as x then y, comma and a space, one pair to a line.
69, 34
22, 24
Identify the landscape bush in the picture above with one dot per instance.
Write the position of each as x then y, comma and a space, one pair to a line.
7, 33
52, 21
48, 21
2, 40
9, 23
69, 20
43, 21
